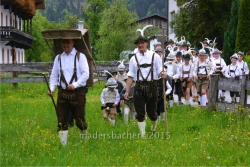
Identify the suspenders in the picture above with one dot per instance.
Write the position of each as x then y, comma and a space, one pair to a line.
201, 67
145, 66
74, 76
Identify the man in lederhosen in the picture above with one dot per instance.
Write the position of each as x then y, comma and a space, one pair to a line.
70, 73
145, 68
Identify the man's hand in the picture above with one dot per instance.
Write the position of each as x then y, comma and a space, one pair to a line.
104, 105
207, 76
114, 105
70, 87
50, 93
189, 79
163, 74
126, 96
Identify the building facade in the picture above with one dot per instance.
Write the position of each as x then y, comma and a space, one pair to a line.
16, 28
172, 10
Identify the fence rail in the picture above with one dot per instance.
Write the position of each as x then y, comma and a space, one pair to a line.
217, 83
47, 67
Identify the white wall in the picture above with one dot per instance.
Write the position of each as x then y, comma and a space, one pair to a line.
5, 49
173, 8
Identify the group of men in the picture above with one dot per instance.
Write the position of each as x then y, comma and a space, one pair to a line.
185, 71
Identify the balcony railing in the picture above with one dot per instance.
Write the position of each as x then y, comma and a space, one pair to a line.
15, 37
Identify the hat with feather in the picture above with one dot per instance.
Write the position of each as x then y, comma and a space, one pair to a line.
142, 38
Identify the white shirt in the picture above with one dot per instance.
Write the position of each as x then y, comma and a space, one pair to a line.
235, 68
220, 63
145, 59
67, 62
243, 66
185, 67
172, 70
209, 67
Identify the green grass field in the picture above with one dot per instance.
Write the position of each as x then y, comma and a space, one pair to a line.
198, 137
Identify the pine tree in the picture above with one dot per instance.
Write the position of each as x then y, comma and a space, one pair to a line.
230, 34
243, 35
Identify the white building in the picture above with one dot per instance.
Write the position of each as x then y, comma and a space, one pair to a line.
172, 10
16, 28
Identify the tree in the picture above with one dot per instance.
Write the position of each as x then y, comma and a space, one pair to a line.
203, 19
39, 46
69, 20
115, 31
230, 34
93, 13
243, 35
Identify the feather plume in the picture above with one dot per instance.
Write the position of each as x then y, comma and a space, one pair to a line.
109, 73
208, 40
121, 62
144, 28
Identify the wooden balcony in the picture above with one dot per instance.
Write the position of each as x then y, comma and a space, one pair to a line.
16, 38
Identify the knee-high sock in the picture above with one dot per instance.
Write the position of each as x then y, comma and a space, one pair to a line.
219, 93
203, 100
126, 111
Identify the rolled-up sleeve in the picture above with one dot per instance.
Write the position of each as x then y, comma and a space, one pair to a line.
83, 72
131, 72
54, 77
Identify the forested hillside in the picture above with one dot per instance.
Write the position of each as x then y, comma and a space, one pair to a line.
55, 10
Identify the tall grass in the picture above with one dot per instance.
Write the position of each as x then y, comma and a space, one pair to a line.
198, 137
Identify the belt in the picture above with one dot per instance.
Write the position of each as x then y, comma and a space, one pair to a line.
66, 90
153, 82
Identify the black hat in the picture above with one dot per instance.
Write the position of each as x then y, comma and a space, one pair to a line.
178, 54
170, 41
207, 50
187, 56
140, 39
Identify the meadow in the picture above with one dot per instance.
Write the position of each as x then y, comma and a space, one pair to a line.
198, 137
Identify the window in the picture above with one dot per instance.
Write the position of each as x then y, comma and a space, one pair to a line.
8, 56
2, 55
171, 19
1, 19
6, 20
18, 58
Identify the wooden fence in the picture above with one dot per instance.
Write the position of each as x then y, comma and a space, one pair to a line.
217, 83
46, 68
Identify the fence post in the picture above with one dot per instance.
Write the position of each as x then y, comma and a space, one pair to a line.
243, 92
213, 91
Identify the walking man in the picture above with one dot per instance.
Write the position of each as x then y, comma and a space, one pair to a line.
145, 67
70, 73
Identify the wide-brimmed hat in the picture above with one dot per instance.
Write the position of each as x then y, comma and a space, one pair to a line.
140, 39
240, 53
234, 56
111, 83
202, 52
158, 49
187, 56
216, 51
171, 56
